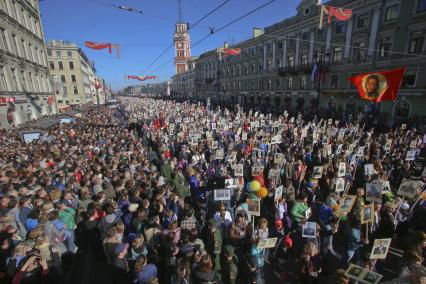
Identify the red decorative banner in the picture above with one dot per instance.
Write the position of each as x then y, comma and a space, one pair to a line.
232, 51
100, 46
140, 78
379, 86
8, 100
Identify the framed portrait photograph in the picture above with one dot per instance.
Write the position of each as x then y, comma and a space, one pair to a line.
354, 271
360, 151
324, 140
367, 214
369, 169
380, 248
340, 185
388, 145
238, 170
253, 206
231, 183
409, 188
219, 154
317, 172
411, 155
308, 213
373, 191
215, 145
347, 202
276, 139
342, 170
267, 243
278, 158
309, 230
385, 186
255, 171
278, 193
244, 136
370, 277
222, 194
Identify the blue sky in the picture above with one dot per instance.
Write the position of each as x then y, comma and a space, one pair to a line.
144, 36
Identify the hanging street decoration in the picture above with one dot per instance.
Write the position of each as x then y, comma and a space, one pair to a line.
100, 46
231, 51
141, 78
339, 13
379, 86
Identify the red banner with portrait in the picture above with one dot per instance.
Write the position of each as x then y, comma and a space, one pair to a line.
379, 86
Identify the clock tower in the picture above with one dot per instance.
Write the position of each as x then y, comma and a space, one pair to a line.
182, 44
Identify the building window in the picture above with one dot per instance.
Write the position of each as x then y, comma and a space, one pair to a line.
391, 12
306, 12
362, 21
51, 65
69, 53
63, 79
246, 71
291, 61
71, 64
75, 90
409, 80
49, 53
24, 82
290, 83
253, 52
305, 36
4, 45
280, 44
358, 51
334, 81
58, 53
421, 6
268, 65
61, 65
385, 47
278, 84
416, 42
260, 66
253, 69
14, 80
268, 84
3, 82
337, 54
64, 91
304, 59
73, 78
303, 82
340, 27
269, 47
279, 64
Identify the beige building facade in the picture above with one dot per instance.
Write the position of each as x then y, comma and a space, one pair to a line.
26, 90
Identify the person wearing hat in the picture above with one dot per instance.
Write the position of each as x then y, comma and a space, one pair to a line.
180, 185
120, 260
229, 265
252, 272
213, 242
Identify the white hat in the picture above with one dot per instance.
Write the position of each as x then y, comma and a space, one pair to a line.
133, 207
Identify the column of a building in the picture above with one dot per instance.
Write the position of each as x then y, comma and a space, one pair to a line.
264, 57
284, 53
374, 29
311, 47
348, 38
328, 39
297, 56
274, 55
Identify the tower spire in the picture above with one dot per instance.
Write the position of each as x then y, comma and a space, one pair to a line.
179, 12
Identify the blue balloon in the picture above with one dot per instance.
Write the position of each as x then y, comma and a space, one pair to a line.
248, 187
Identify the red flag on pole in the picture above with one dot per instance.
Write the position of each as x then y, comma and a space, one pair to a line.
339, 13
379, 86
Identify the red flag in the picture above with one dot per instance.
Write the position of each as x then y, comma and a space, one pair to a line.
379, 86
232, 51
339, 13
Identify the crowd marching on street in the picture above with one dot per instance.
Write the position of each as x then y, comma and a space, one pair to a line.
161, 191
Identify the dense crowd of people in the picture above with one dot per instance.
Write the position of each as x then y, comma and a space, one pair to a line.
159, 191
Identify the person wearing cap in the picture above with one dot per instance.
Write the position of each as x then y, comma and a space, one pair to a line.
229, 265
120, 260
213, 242
180, 185
252, 273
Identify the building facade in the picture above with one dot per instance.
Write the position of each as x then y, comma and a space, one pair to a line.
72, 73
381, 35
26, 90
